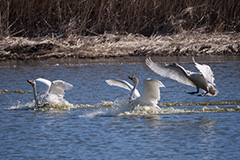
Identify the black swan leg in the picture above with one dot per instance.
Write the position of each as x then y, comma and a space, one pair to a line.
203, 94
193, 92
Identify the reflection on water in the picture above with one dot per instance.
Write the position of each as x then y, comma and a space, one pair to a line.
98, 123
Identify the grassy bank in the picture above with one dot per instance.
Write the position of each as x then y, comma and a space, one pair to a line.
112, 45
92, 17
111, 28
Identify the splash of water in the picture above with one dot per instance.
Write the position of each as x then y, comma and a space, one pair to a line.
122, 107
199, 103
125, 108
49, 104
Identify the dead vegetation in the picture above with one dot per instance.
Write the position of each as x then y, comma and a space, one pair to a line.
109, 45
108, 28
92, 17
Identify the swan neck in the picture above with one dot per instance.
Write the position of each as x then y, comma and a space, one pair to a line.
135, 87
183, 70
35, 95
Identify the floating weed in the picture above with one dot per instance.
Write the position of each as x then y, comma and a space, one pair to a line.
14, 92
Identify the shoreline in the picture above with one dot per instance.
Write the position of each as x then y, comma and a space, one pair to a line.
109, 46
117, 60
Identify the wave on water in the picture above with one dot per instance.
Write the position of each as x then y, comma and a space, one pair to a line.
125, 108
62, 105
41, 107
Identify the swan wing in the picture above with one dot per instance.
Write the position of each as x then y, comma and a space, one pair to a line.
205, 70
122, 84
43, 85
58, 87
151, 90
44, 81
177, 73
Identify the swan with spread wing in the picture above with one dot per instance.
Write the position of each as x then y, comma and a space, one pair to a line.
52, 91
203, 80
150, 94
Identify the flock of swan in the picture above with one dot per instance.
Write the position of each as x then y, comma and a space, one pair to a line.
151, 87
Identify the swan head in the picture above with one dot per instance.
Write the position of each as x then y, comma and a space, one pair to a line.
212, 90
32, 82
133, 79
174, 65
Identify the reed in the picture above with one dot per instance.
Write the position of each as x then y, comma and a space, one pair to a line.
92, 17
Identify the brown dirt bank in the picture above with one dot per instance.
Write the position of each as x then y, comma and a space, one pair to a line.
109, 45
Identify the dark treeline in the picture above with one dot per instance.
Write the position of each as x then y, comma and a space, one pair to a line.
93, 17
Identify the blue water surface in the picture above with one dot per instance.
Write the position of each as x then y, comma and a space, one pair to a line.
91, 132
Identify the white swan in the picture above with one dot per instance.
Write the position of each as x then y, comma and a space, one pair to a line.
203, 80
151, 91
53, 91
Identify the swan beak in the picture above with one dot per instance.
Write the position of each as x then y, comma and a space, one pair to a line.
30, 81
132, 77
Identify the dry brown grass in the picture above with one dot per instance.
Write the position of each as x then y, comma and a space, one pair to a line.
110, 45
41, 29
93, 17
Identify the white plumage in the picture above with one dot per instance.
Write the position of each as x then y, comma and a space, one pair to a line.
206, 71
150, 94
50, 91
123, 84
203, 80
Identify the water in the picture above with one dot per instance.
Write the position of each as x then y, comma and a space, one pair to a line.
97, 125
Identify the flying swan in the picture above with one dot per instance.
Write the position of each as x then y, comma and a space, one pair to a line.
150, 94
53, 91
203, 80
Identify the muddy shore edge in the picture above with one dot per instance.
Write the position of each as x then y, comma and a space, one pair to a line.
113, 46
